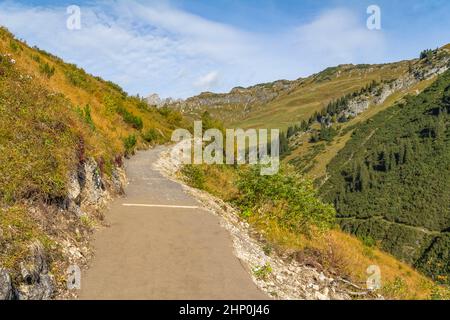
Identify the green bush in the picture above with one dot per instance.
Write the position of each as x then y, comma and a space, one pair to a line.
135, 121
426, 54
151, 135
14, 46
85, 114
262, 272
195, 175
47, 70
77, 77
36, 58
327, 134
129, 144
285, 197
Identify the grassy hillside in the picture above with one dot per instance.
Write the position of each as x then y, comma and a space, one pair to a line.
312, 157
315, 142
299, 107
391, 182
54, 114
54, 117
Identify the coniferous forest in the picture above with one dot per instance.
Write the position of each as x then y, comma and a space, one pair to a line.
391, 183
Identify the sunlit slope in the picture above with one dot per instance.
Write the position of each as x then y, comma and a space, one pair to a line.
314, 93
55, 115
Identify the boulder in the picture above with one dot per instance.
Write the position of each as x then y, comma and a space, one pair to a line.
6, 288
37, 283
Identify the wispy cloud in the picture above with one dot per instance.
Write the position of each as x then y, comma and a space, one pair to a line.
156, 47
208, 81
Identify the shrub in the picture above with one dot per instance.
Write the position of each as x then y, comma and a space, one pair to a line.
151, 135
117, 88
14, 46
129, 144
36, 58
195, 176
77, 78
47, 70
426, 54
286, 198
85, 114
130, 118
263, 272
327, 134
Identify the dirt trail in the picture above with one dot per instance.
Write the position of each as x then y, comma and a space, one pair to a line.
163, 245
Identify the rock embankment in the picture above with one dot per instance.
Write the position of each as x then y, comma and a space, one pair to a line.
67, 226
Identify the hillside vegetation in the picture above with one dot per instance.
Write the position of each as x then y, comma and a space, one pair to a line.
375, 139
55, 120
286, 212
391, 182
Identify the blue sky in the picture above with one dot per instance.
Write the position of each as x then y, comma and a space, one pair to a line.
179, 48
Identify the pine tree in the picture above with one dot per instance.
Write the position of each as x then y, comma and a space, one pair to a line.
364, 177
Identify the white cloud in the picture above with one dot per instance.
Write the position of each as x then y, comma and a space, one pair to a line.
207, 81
337, 36
154, 47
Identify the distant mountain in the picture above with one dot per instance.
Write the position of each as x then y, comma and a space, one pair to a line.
283, 103
154, 100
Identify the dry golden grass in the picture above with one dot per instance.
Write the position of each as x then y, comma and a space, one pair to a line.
345, 256
111, 129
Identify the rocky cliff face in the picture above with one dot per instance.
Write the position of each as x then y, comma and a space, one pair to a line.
258, 94
155, 100
419, 71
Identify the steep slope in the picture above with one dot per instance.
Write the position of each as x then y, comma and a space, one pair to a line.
63, 135
315, 142
391, 182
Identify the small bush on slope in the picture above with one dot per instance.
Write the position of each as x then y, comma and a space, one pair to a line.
286, 198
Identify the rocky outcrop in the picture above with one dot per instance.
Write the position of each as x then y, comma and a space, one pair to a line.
258, 94
36, 281
154, 100
94, 193
7, 292
419, 71
65, 223
88, 190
